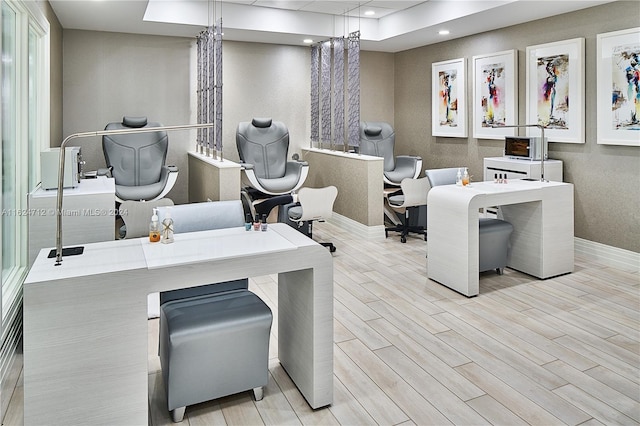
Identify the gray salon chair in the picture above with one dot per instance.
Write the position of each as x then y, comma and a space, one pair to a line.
378, 139
137, 161
263, 145
494, 234
214, 339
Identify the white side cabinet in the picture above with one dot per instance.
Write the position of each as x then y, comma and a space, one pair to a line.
520, 168
89, 212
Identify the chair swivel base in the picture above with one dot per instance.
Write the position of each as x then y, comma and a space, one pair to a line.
330, 246
404, 231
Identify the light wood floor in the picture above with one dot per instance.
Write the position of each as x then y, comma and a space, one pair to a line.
410, 351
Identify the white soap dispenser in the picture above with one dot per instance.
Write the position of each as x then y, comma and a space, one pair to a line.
167, 227
459, 177
154, 227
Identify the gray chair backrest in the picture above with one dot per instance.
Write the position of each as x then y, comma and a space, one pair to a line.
204, 216
135, 159
264, 143
378, 139
442, 176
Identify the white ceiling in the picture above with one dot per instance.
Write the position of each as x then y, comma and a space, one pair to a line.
397, 25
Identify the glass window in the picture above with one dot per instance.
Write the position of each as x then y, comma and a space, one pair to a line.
9, 154
24, 76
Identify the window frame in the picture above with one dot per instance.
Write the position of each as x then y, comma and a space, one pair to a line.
30, 19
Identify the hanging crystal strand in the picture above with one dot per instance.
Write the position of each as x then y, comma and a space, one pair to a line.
353, 87
338, 92
315, 95
325, 89
199, 93
218, 87
210, 89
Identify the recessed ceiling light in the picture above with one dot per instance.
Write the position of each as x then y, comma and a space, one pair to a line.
443, 32
307, 41
369, 13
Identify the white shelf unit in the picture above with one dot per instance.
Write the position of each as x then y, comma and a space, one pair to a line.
516, 168
89, 215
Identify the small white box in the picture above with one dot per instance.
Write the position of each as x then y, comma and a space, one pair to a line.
50, 164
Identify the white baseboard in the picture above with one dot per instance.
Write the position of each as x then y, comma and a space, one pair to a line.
363, 231
625, 260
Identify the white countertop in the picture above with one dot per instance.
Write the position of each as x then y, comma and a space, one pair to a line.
139, 253
98, 185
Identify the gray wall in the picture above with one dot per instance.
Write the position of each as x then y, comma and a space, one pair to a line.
606, 178
109, 75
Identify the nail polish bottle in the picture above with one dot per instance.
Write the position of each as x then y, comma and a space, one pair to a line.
247, 222
263, 224
256, 223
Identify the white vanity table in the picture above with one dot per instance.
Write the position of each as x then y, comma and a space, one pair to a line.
541, 244
85, 322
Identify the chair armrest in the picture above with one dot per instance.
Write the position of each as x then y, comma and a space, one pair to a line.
104, 171
295, 165
168, 174
300, 168
413, 162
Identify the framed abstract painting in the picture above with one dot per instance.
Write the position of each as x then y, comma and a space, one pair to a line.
618, 81
555, 90
448, 105
495, 90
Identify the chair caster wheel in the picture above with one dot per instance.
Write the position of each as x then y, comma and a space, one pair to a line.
403, 239
332, 249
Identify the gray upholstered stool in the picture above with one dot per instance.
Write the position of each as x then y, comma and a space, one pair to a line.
494, 244
213, 346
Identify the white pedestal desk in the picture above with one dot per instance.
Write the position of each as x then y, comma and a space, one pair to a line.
85, 322
542, 240
89, 214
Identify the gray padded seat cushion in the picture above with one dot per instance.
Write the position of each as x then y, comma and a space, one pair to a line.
493, 243
400, 173
396, 200
285, 183
143, 192
213, 346
137, 160
222, 312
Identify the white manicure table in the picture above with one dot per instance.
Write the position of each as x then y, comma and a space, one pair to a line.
542, 240
85, 321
